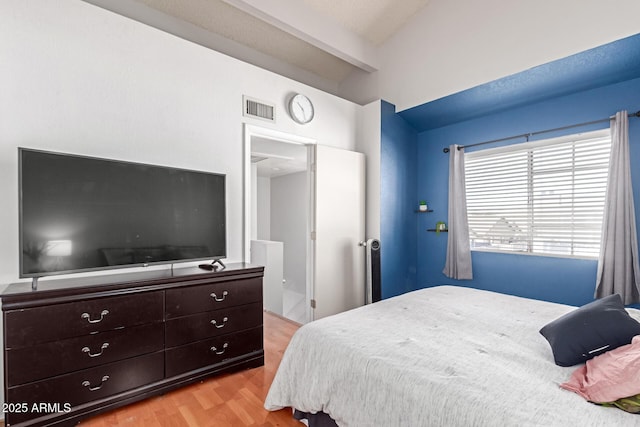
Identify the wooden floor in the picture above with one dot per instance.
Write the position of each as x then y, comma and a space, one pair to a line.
229, 400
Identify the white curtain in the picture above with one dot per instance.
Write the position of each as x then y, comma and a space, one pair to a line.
458, 263
618, 262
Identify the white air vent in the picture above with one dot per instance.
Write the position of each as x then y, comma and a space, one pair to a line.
258, 109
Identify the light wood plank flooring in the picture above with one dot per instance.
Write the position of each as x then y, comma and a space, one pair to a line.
229, 400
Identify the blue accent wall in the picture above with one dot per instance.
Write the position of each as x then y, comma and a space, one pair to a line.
398, 189
587, 86
569, 281
604, 65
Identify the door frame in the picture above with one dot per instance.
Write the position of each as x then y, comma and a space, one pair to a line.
250, 131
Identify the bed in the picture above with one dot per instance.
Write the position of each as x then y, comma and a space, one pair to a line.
441, 356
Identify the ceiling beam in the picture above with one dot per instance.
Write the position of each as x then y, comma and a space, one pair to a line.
303, 22
154, 18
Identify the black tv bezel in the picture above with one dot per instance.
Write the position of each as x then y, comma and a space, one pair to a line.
23, 275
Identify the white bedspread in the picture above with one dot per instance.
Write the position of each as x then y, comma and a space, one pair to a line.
443, 356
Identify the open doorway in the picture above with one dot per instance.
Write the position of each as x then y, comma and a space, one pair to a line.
278, 219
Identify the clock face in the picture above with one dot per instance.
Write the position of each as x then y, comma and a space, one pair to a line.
301, 109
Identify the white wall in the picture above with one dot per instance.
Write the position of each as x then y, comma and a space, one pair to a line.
260, 205
289, 217
451, 46
369, 144
76, 78
263, 188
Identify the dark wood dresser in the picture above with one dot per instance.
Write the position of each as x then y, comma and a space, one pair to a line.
78, 347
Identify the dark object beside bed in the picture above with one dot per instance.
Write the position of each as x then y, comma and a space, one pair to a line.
319, 419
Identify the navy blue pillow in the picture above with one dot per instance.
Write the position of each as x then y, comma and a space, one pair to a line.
590, 330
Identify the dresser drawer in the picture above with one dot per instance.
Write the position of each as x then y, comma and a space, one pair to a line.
72, 354
183, 330
212, 351
88, 385
201, 298
51, 323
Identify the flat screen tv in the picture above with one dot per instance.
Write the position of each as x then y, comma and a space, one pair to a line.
81, 213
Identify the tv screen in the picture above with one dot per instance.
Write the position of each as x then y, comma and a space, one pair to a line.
81, 213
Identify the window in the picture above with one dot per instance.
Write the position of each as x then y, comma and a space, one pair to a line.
543, 197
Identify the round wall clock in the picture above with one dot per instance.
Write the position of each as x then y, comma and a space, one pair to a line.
301, 109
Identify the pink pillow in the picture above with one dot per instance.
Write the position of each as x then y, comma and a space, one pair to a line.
609, 376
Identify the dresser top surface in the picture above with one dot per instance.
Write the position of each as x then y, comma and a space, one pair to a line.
122, 280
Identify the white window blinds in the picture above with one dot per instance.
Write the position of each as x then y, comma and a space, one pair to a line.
543, 197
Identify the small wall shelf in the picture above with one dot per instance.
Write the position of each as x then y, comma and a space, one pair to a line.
428, 210
434, 230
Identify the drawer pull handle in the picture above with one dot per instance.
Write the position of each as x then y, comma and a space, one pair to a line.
215, 297
224, 322
88, 316
88, 350
98, 387
224, 348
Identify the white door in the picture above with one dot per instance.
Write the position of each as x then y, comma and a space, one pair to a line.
339, 227
270, 255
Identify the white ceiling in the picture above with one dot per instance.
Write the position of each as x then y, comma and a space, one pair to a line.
317, 42
374, 20
274, 158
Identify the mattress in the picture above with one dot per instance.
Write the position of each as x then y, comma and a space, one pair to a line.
441, 356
